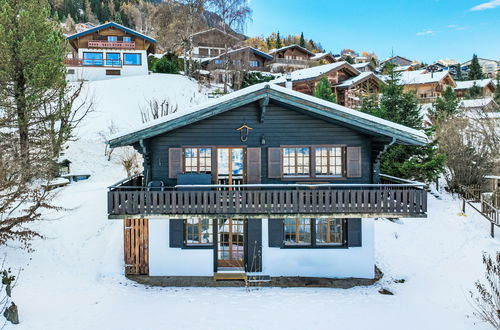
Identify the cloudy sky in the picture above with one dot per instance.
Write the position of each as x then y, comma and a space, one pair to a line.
424, 30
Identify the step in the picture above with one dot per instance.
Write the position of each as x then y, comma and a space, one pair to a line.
230, 276
258, 278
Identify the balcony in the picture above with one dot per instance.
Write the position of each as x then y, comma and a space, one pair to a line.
129, 198
76, 62
111, 44
287, 61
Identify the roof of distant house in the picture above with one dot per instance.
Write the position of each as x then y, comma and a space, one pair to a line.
469, 83
253, 50
331, 111
115, 25
397, 56
272, 51
422, 77
315, 71
319, 56
362, 65
361, 77
478, 103
216, 29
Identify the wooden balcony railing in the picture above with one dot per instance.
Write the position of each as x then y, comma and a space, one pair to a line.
111, 44
349, 200
290, 61
93, 62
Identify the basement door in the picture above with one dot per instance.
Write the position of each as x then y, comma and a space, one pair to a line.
230, 243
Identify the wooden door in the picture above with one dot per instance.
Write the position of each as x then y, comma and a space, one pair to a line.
136, 246
231, 243
230, 166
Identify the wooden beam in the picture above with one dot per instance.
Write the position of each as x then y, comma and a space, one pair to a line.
263, 103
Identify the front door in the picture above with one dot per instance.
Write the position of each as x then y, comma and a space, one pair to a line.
231, 243
230, 169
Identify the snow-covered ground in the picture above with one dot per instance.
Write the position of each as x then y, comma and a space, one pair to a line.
74, 278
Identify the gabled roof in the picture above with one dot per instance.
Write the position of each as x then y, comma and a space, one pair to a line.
478, 103
253, 50
115, 25
469, 83
362, 65
273, 51
319, 56
316, 71
423, 77
315, 106
218, 30
397, 56
360, 78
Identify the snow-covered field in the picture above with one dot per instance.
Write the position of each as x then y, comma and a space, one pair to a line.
74, 278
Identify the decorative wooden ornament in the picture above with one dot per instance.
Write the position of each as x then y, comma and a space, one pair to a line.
244, 130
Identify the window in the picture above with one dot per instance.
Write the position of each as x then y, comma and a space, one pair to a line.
132, 59
329, 161
92, 59
113, 59
113, 72
112, 38
127, 39
197, 160
254, 64
219, 61
297, 231
198, 231
296, 161
236, 62
329, 231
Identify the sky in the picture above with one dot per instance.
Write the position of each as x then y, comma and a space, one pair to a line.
423, 30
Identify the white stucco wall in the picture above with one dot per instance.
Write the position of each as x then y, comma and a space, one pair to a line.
337, 263
167, 261
99, 73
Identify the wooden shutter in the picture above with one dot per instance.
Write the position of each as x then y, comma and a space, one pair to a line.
274, 163
354, 232
174, 162
276, 232
176, 233
136, 241
253, 165
254, 245
353, 162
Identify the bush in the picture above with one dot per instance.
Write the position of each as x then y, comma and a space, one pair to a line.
167, 64
252, 78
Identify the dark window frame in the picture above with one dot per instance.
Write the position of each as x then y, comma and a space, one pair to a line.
93, 59
198, 157
140, 59
313, 244
197, 246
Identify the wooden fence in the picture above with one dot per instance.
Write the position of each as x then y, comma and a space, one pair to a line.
471, 196
136, 251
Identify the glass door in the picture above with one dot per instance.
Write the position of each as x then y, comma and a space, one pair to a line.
230, 169
230, 243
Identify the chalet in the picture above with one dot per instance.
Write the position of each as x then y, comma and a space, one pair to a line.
290, 58
482, 105
427, 86
212, 43
348, 84
323, 58
236, 61
397, 60
106, 51
265, 181
489, 67
365, 67
487, 87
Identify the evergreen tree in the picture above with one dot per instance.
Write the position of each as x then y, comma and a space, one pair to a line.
279, 43
349, 59
459, 76
323, 90
496, 95
475, 71
302, 40
88, 13
252, 78
165, 65
475, 92
410, 162
444, 106
118, 18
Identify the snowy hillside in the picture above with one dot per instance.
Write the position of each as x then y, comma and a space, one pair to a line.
74, 279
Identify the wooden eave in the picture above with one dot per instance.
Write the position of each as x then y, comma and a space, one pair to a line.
357, 123
368, 77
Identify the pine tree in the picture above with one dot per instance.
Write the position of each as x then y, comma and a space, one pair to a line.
410, 162
302, 40
349, 59
118, 18
88, 13
279, 43
475, 92
323, 90
459, 72
475, 71
444, 106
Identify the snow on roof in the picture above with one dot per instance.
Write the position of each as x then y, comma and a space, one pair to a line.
469, 83
272, 51
401, 68
344, 111
361, 65
476, 103
421, 77
313, 72
115, 25
447, 62
355, 80
319, 56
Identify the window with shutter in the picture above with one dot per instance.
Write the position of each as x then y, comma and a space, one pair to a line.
274, 163
253, 165
174, 162
353, 162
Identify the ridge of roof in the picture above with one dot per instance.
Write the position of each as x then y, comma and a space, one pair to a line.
290, 46
111, 24
313, 72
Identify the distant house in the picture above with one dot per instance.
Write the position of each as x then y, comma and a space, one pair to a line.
236, 61
212, 43
490, 67
323, 58
487, 105
365, 67
106, 51
397, 60
265, 181
487, 86
290, 58
348, 84
427, 86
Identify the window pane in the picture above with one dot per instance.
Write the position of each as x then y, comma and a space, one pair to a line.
297, 231
132, 59
113, 59
92, 59
199, 231
329, 231
112, 38
296, 161
127, 39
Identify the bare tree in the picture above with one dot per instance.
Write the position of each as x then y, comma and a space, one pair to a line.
130, 160
234, 14
155, 109
105, 135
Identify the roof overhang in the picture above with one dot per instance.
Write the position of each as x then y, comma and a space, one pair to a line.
114, 25
310, 104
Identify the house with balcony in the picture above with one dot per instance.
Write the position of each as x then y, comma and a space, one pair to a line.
213, 42
348, 84
106, 51
487, 87
426, 85
264, 181
290, 58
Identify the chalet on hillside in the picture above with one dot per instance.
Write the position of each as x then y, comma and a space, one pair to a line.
485, 105
106, 51
212, 43
348, 84
397, 60
487, 87
264, 181
290, 58
427, 86
237, 62
323, 58
365, 67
